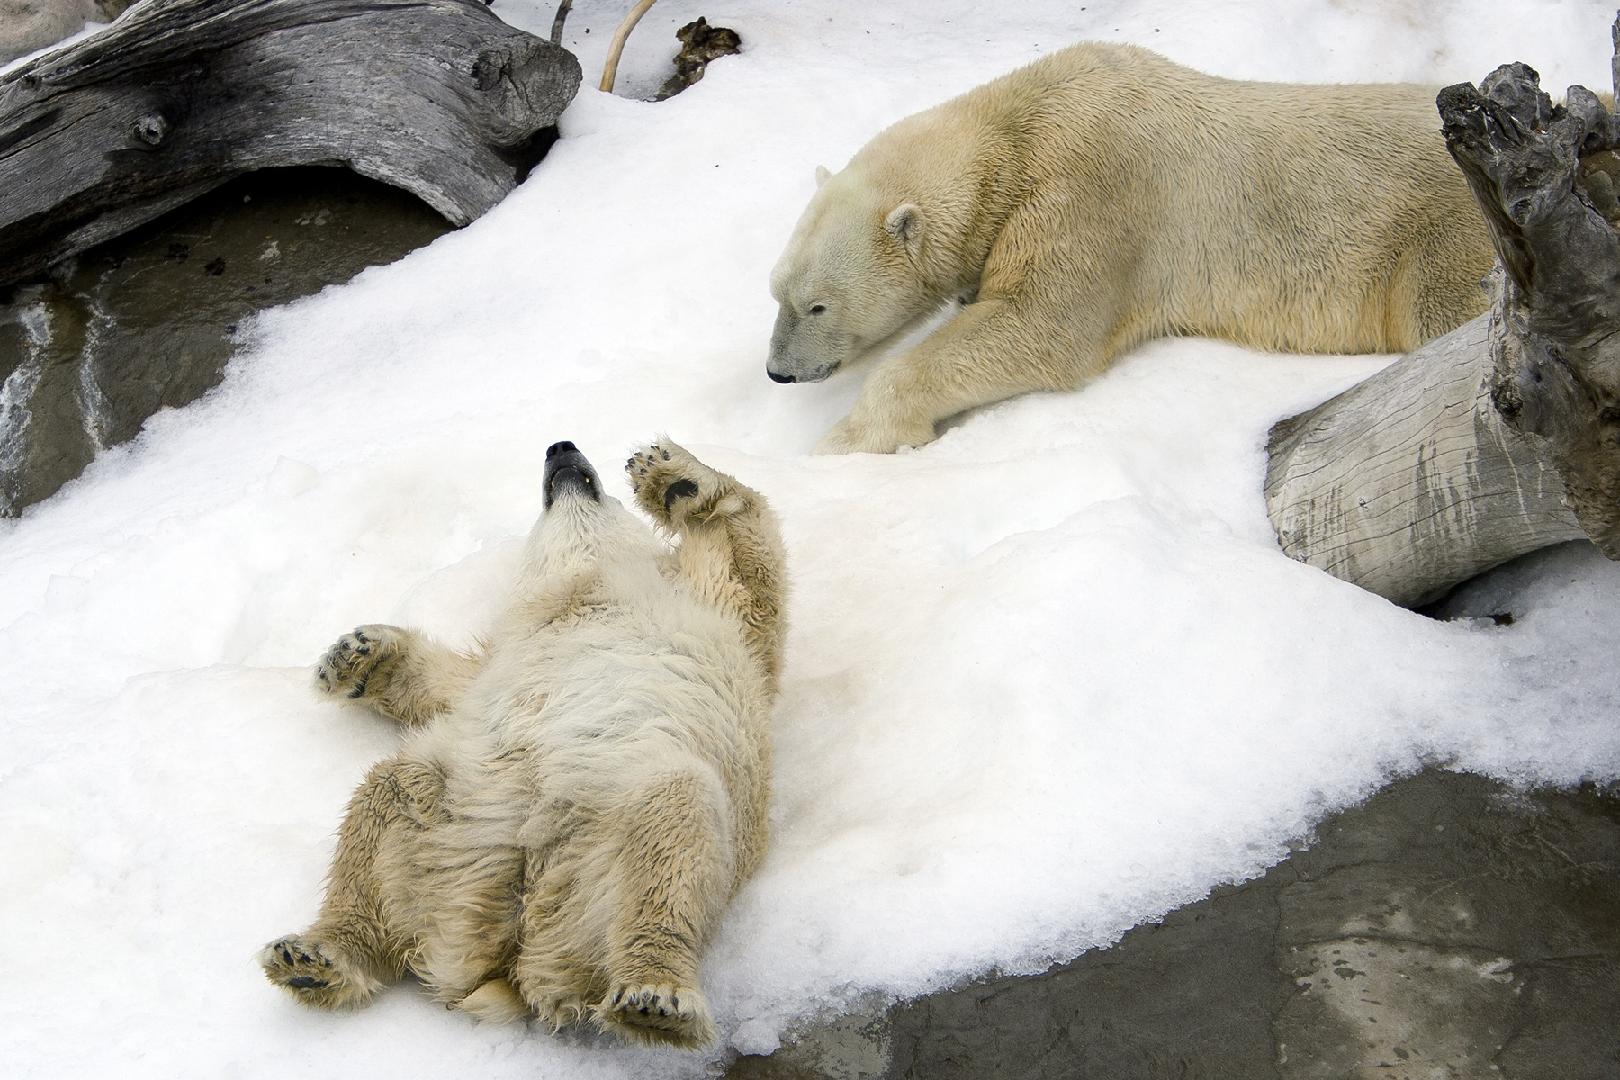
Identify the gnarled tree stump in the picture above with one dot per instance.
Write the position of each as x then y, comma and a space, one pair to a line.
438, 97
1503, 436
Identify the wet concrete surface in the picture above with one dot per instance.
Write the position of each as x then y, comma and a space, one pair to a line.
148, 321
1448, 929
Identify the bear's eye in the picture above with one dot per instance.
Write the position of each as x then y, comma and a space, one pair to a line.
817, 309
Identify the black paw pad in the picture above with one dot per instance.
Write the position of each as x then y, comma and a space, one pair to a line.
306, 982
680, 489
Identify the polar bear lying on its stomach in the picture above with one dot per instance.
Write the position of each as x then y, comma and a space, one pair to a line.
575, 805
1102, 196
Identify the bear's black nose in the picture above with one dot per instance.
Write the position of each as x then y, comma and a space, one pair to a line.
563, 447
780, 378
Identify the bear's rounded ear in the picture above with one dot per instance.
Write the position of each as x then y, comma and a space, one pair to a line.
822, 172
905, 224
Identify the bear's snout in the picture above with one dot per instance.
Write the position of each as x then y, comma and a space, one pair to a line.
777, 376
568, 470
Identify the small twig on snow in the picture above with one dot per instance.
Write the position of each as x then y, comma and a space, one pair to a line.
558, 20
611, 67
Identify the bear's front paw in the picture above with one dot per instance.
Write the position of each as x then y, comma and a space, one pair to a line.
658, 1013
852, 436
673, 486
354, 661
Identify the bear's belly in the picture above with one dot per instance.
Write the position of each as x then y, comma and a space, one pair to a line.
590, 719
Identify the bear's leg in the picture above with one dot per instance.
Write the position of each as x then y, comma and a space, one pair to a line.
672, 877
994, 349
352, 951
731, 548
401, 673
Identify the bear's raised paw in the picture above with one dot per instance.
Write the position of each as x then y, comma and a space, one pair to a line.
673, 486
348, 666
659, 1014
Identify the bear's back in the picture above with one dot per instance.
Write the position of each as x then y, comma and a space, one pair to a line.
1294, 216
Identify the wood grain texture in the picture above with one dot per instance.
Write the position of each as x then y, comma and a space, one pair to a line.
1410, 482
438, 97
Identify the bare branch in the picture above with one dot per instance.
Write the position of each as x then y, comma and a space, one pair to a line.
610, 68
558, 19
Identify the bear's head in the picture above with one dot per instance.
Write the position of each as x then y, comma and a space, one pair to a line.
582, 529
568, 473
850, 279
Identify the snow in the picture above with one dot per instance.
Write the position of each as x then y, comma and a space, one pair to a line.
77, 36
1048, 677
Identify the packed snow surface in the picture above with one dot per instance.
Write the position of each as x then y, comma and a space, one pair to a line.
1048, 677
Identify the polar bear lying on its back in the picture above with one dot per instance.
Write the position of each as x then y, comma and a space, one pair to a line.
574, 805
1102, 196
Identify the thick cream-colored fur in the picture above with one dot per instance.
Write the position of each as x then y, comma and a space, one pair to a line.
575, 804
1104, 195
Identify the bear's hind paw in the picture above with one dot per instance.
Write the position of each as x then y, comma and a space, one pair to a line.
660, 1014
315, 975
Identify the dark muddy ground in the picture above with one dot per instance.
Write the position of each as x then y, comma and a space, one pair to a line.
149, 320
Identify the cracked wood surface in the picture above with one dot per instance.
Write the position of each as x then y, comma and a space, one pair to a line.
1411, 481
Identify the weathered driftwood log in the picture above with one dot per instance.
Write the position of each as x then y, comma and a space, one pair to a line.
1503, 436
438, 97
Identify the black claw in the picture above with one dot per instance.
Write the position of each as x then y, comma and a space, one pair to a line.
364, 650
360, 635
286, 956
666, 455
